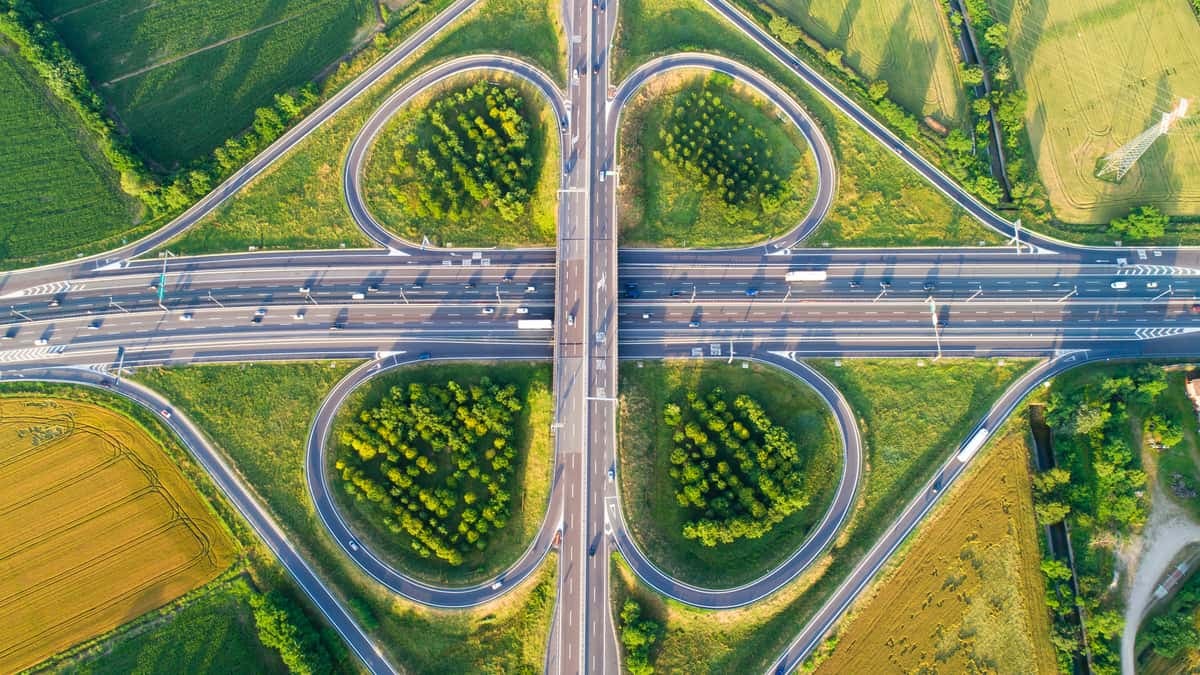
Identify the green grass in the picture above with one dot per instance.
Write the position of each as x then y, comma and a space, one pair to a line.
1082, 108
184, 75
879, 201
259, 416
1184, 458
213, 634
661, 206
911, 418
59, 193
530, 486
484, 227
298, 202
648, 493
907, 44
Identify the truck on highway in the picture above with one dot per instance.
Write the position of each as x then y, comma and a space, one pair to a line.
806, 275
968, 451
534, 324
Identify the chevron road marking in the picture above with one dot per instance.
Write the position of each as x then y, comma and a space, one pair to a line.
45, 289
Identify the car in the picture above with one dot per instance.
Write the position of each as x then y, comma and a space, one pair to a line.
928, 286
166, 413
751, 292
612, 471
336, 326
522, 310
305, 290
424, 356
571, 319
186, 316
1151, 284
358, 296
256, 319
694, 324
600, 335
415, 287
507, 279
531, 289
592, 550
95, 324
1195, 308
496, 586
353, 545
468, 286
298, 316
855, 283
55, 303
488, 310
260, 312
373, 288
41, 341
645, 315
1119, 285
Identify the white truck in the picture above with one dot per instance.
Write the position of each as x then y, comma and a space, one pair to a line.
534, 324
806, 275
968, 451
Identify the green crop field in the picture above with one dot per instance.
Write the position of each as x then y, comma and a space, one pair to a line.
1099, 72
906, 43
184, 75
58, 191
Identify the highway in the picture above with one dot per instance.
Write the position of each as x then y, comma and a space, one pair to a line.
79, 321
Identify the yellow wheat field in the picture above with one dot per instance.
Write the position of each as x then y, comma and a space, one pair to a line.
967, 595
97, 526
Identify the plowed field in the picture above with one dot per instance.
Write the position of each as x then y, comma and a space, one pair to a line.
97, 526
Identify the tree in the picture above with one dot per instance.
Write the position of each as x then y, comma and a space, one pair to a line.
1050, 513
834, 57
1145, 222
997, 36
972, 75
878, 90
1056, 570
637, 635
783, 29
1173, 633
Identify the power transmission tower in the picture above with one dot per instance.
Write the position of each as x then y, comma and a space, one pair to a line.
1120, 162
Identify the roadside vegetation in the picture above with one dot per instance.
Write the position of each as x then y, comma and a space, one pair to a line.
258, 416
191, 626
1098, 489
475, 164
59, 193
445, 469
687, 512
912, 417
879, 201
298, 202
712, 165
1172, 432
1169, 639
965, 594
637, 637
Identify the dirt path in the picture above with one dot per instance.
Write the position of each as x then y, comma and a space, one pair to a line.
1169, 530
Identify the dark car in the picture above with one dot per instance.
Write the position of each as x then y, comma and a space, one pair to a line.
632, 291
592, 550
751, 292
675, 293
424, 356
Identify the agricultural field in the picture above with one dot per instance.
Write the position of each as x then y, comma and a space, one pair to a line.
906, 44
97, 523
395, 186
657, 520
967, 593
1093, 86
527, 482
258, 416
668, 200
184, 75
59, 192
879, 200
912, 416
298, 203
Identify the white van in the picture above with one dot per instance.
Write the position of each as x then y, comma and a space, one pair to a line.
1119, 285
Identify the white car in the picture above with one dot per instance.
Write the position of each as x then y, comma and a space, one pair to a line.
1119, 285
489, 310
41, 341
186, 316
1151, 284
522, 310
298, 316
353, 545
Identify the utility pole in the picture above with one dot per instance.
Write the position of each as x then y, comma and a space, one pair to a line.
693, 301
1074, 291
1016, 238
218, 302
162, 281
1170, 291
788, 295
113, 303
403, 296
120, 363
19, 313
730, 351
1117, 164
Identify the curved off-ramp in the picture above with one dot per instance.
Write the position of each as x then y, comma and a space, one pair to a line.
360, 148
361, 554
826, 167
817, 542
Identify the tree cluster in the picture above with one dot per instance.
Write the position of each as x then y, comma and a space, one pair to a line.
637, 634
711, 144
735, 471
473, 149
283, 626
1097, 489
1144, 222
1175, 632
434, 462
